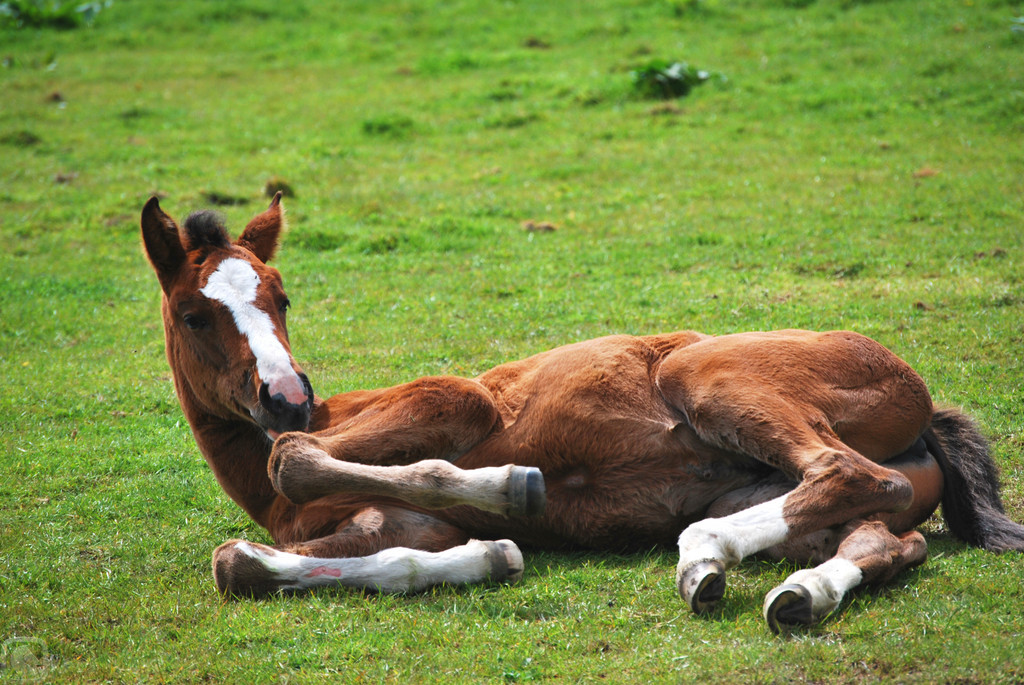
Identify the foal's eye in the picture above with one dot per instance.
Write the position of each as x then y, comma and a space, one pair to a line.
285, 305
194, 322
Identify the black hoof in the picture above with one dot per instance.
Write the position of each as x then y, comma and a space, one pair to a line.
787, 607
526, 493
701, 585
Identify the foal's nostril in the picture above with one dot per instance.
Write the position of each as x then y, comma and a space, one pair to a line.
309, 389
284, 415
274, 404
265, 401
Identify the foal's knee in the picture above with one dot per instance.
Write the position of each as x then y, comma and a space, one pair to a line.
891, 491
294, 464
844, 486
287, 447
877, 487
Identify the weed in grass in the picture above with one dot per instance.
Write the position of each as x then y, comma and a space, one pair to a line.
219, 199
320, 241
24, 14
275, 185
133, 113
681, 8
450, 61
662, 79
513, 120
382, 244
22, 138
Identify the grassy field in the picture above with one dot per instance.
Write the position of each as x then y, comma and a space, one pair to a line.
848, 164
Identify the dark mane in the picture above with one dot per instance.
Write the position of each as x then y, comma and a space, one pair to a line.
205, 227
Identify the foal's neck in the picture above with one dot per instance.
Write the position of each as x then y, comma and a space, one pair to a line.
237, 452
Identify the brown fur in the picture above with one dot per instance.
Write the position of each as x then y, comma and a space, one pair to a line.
637, 437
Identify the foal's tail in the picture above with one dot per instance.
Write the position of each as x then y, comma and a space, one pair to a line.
971, 503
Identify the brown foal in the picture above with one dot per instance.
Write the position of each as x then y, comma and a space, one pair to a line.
823, 448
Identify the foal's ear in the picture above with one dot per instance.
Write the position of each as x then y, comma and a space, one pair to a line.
162, 242
261, 235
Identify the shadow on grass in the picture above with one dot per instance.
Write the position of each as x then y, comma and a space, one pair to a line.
592, 585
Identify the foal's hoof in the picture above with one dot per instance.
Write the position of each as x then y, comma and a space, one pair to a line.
787, 607
238, 571
506, 561
295, 468
527, 495
701, 585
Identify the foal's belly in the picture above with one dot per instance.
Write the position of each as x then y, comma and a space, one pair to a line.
615, 483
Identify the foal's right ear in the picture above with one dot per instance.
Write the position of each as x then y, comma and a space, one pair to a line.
162, 241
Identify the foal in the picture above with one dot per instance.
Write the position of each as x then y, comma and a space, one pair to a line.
822, 448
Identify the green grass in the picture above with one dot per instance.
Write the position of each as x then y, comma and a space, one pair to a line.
859, 166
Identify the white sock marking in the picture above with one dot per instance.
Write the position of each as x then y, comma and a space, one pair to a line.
731, 538
828, 583
398, 569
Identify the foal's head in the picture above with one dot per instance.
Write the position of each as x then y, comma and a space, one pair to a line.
224, 319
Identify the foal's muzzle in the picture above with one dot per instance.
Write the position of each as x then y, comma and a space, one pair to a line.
278, 415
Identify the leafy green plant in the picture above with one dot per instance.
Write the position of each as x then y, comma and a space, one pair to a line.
54, 14
664, 80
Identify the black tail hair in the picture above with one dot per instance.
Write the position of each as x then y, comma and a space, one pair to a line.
971, 503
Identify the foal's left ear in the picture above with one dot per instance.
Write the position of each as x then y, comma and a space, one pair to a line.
261, 234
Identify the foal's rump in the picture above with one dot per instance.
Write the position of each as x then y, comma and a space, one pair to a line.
787, 397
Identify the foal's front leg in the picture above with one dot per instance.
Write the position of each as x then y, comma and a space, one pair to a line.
399, 442
385, 548
303, 471
250, 569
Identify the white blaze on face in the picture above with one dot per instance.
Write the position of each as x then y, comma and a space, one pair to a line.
234, 285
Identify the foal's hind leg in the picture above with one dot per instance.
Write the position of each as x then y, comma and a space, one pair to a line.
860, 552
784, 399
869, 553
839, 487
